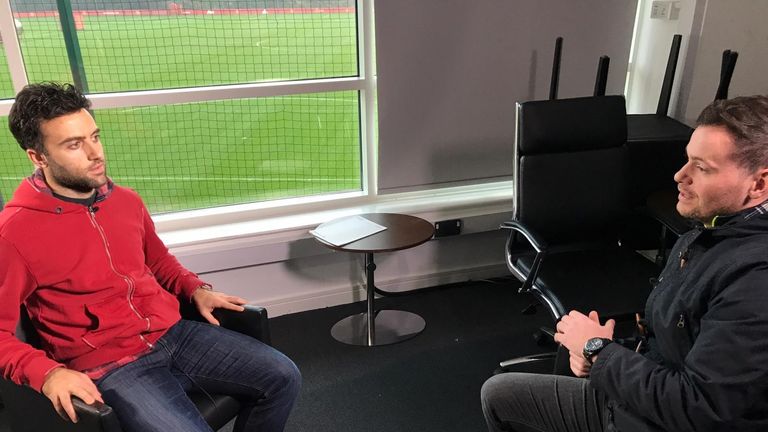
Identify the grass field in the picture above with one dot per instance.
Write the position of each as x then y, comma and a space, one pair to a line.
209, 153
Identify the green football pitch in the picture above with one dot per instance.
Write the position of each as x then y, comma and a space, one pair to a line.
197, 155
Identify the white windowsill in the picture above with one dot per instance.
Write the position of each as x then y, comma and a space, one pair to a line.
265, 223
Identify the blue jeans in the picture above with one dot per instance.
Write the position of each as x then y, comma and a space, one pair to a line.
149, 394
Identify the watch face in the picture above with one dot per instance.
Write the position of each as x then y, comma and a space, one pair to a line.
594, 344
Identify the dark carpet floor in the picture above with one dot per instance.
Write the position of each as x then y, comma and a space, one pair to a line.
428, 383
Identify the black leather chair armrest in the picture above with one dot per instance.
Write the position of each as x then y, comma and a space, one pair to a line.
538, 243
30, 411
253, 321
100, 415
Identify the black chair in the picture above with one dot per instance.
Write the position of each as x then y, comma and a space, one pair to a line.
656, 151
571, 181
30, 411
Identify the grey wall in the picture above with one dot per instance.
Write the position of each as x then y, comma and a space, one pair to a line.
450, 72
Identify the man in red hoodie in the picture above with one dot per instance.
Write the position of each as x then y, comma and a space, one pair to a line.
82, 255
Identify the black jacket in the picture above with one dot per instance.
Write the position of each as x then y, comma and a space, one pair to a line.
706, 368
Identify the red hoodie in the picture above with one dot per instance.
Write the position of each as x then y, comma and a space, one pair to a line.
98, 283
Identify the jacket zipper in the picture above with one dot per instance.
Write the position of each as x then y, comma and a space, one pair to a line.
683, 257
128, 281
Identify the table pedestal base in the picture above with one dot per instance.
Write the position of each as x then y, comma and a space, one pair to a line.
389, 326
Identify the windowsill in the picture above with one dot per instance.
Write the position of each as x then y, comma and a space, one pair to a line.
260, 223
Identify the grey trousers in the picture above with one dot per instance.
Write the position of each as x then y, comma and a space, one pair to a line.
524, 402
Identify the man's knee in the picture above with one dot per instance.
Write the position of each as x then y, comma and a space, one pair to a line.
496, 388
292, 378
286, 378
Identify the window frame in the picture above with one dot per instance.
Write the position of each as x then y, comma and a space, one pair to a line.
364, 83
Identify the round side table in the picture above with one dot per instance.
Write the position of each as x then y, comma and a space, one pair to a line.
382, 327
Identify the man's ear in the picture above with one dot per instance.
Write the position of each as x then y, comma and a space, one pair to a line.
37, 158
759, 190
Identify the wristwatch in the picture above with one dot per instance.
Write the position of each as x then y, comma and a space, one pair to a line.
594, 346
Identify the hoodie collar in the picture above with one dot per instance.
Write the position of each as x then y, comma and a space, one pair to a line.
37, 181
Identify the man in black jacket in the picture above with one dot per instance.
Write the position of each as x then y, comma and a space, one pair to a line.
704, 364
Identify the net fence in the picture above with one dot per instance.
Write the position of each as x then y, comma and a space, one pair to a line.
196, 155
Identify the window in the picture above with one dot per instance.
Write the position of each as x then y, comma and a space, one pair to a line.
206, 103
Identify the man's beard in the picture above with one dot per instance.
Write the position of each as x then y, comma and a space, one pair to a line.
72, 182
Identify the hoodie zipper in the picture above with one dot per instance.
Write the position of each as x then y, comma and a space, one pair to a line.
128, 280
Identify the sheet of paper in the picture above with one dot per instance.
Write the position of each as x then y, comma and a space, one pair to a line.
346, 230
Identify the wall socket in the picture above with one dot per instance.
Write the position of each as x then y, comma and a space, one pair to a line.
660, 9
666, 10
447, 228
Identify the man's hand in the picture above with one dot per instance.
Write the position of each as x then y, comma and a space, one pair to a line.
206, 301
61, 384
579, 365
575, 329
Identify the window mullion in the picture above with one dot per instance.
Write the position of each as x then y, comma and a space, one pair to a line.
366, 52
212, 93
12, 50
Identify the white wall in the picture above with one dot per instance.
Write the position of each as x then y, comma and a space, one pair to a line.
719, 25
708, 27
650, 51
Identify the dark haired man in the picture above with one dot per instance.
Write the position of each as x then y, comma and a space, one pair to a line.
705, 363
82, 255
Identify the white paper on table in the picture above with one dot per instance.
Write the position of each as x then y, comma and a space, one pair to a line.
346, 230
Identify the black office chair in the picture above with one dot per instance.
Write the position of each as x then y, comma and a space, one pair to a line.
30, 411
571, 181
656, 144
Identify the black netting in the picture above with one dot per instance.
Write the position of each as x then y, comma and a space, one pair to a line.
142, 45
196, 155
228, 152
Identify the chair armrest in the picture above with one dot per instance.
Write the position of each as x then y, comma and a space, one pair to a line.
253, 321
30, 411
100, 415
538, 245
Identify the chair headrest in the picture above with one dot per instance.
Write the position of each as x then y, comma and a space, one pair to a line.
569, 125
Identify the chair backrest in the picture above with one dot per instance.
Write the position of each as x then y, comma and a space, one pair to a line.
571, 170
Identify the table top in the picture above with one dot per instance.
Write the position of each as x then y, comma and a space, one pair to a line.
403, 232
